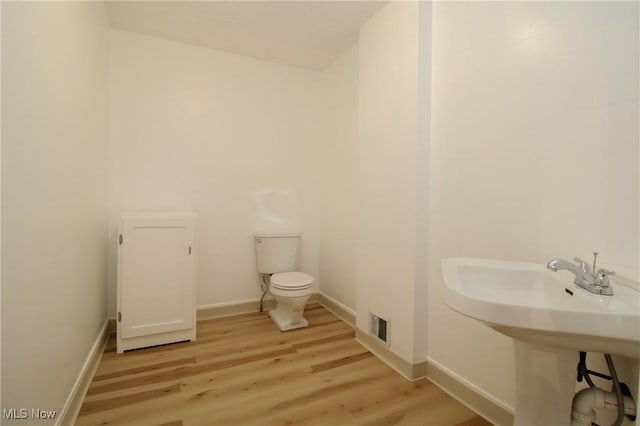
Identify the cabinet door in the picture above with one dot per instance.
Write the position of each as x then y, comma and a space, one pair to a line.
156, 290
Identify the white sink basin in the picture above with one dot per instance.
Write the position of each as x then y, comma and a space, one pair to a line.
532, 304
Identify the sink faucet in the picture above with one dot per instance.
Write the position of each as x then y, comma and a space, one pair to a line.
597, 283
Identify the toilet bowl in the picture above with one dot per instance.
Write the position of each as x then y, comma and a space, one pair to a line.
291, 290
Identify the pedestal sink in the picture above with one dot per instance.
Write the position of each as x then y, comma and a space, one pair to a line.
551, 319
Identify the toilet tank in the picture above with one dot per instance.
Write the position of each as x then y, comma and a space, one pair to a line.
276, 252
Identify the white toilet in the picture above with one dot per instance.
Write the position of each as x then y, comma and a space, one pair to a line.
276, 255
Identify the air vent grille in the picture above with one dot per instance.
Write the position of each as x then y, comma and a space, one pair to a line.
380, 328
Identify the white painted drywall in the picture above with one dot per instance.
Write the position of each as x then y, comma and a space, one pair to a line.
338, 246
534, 153
235, 139
388, 173
54, 212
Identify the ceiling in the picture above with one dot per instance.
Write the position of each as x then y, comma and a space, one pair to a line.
309, 34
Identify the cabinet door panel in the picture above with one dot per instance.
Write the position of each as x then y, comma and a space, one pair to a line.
157, 277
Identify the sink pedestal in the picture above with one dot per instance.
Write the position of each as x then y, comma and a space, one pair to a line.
545, 384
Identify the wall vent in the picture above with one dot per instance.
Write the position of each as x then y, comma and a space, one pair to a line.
379, 328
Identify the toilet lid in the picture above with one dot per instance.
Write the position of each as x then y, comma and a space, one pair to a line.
291, 280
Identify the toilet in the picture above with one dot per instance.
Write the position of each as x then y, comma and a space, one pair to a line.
276, 255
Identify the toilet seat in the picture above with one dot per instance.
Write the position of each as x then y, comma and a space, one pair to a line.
291, 281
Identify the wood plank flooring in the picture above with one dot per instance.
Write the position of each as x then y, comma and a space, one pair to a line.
243, 371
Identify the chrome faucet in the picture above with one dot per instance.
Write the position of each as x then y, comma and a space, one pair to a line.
596, 282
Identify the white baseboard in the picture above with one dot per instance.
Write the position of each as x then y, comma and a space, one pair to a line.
72, 405
220, 310
403, 367
479, 401
495, 411
338, 309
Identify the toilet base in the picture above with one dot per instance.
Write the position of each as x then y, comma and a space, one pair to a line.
282, 318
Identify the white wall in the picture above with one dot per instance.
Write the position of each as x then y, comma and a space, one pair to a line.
534, 153
235, 139
54, 214
390, 169
338, 248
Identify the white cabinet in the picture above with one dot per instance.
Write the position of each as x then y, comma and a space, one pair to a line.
156, 279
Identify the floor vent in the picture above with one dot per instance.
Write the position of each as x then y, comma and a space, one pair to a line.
380, 328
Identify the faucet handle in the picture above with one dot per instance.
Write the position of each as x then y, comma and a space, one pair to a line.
603, 271
584, 265
601, 277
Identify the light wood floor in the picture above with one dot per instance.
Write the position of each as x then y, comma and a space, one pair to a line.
243, 371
